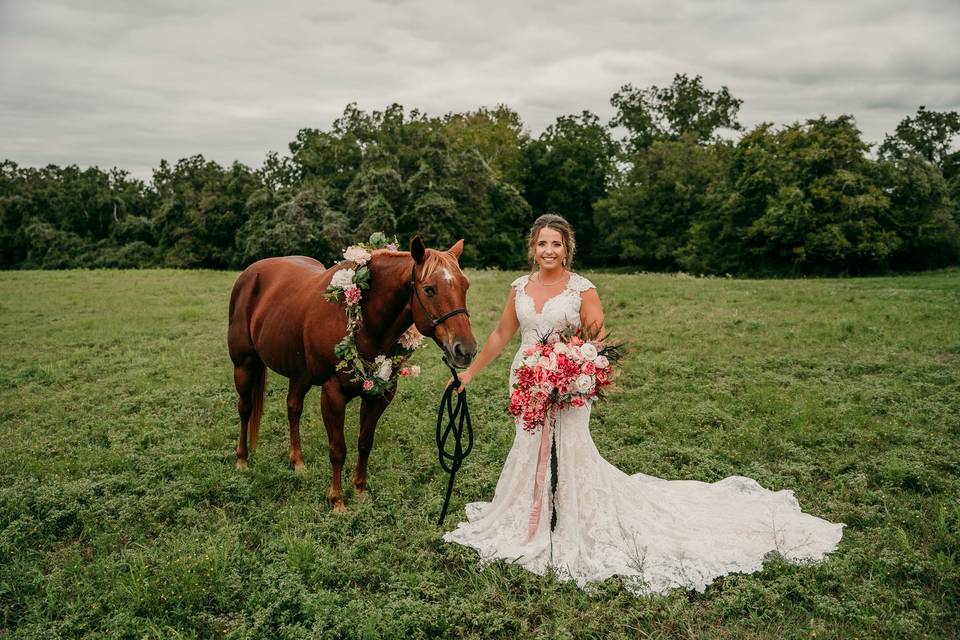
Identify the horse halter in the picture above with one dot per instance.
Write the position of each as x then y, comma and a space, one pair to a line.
436, 321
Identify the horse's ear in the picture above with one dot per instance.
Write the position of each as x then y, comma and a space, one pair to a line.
417, 250
456, 249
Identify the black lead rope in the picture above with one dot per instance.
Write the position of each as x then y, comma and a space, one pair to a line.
458, 417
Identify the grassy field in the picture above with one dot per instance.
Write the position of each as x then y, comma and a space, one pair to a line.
121, 514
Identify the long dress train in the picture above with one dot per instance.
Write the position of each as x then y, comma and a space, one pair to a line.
657, 534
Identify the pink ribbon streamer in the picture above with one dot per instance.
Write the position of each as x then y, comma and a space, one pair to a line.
542, 459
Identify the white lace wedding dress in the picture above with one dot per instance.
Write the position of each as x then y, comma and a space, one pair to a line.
658, 534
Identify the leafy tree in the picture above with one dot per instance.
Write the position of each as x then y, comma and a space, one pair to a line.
374, 196
201, 207
304, 225
685, 109
566, 170
60, 217
929, 134
496, 134
805, 199
646, 219
920, 213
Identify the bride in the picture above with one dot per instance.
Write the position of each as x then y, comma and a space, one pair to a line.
657, 534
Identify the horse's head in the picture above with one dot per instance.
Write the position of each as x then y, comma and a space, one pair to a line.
440, 301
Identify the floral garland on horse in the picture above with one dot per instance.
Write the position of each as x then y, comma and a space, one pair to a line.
347, 285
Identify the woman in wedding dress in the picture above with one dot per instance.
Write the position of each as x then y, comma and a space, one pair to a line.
657, 534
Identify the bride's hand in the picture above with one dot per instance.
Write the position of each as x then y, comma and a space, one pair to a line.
465, 378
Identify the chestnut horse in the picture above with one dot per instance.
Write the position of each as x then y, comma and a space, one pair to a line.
280, 320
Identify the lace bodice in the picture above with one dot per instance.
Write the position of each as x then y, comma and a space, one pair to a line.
561, 308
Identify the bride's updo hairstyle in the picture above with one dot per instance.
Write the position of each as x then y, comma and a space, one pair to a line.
557, 223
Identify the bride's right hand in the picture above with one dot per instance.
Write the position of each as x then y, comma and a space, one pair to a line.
465, 378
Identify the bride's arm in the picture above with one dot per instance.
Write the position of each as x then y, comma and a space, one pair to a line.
496, 341
591, 314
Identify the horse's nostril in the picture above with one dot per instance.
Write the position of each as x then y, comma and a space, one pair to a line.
458, 349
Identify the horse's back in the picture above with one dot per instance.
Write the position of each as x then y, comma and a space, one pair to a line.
273, 274
272, 295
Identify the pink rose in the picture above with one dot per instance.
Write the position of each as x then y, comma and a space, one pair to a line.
589, 368
352, 294
541, 375
415, 370
405, 372
367, 385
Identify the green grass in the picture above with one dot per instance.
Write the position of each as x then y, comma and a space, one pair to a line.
121, 514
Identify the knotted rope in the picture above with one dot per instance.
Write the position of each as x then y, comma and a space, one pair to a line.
458, 417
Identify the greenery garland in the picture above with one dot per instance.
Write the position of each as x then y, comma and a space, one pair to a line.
347, 285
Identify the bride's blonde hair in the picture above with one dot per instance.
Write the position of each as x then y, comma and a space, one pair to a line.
557, 223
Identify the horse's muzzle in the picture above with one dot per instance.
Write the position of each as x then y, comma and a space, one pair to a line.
458, 356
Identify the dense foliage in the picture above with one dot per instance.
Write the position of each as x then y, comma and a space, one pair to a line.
667, 192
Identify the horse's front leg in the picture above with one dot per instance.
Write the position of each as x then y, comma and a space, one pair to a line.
371, 408
333, 404
295, 395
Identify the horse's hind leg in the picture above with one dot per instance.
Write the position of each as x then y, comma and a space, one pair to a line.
249, 376
332, 406
371, 408
295, 396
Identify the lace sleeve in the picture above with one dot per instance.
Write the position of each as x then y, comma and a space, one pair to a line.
519, 282
579, 283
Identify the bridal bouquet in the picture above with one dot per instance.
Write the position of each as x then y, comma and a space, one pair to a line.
562, 369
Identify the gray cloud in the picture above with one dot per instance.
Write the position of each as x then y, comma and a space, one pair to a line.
126, 84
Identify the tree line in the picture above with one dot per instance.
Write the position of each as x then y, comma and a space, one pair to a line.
672, 182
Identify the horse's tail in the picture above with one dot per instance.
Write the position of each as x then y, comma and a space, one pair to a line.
256, 396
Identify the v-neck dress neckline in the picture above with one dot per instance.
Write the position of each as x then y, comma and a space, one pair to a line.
533, 303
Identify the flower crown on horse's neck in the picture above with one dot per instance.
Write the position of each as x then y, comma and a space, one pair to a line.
347, 285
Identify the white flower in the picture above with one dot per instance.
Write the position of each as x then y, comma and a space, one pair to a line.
342, 279
411, 338
532, 360
415, 370
575, 354
561, 348
601, 362
356, 254
589, 351
553, 338
385, 368
584, 383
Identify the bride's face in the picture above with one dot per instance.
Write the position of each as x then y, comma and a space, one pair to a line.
549, 251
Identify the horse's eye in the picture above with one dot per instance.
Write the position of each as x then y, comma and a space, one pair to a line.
430, 291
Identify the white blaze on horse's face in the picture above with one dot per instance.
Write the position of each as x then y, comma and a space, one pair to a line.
447, 275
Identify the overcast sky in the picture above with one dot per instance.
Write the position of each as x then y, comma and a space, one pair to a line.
120, 83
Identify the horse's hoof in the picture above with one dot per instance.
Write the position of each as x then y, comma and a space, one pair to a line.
363, 494
241, 465
299, 467
339, 507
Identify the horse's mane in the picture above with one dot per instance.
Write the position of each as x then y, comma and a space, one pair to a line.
433, 261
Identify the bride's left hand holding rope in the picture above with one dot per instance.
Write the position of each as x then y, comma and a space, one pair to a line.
465, 378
